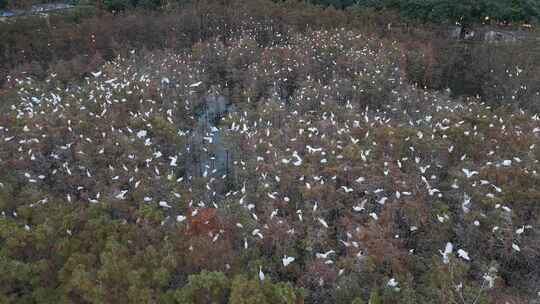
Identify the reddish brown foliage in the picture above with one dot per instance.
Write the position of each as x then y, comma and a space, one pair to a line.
203, 222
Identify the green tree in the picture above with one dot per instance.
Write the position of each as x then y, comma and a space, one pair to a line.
116, 5
358, 300
205, 288
375, 297
246, 291
148, 4
334, 3
464, 11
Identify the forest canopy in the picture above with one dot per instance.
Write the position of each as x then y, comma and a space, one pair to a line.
436, 11
265, 152
462, 11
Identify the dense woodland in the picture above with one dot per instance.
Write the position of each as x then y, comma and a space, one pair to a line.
463, 11
266, 152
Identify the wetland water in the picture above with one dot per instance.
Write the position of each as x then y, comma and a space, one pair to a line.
207, 137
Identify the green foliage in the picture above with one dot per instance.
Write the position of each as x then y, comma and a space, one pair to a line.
464, 11
447, 283
148, 4
214, 287
245, 291
116, 5
120, 5
375, 297
77, 14
358, 300
334, 3
205, 288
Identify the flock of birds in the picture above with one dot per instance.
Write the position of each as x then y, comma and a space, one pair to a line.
111, 140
